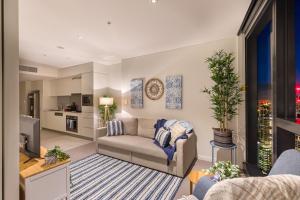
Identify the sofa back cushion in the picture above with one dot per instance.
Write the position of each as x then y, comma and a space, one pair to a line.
130, 125
146, 127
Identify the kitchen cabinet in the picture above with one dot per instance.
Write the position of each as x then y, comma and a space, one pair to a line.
51, 89
65, 86
75, 86
87, 83
55, 121
86, 125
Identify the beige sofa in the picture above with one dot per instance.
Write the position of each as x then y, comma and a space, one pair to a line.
137, 146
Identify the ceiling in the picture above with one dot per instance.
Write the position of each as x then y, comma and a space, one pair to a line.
62, 33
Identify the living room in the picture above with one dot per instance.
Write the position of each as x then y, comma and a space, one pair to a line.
152, 99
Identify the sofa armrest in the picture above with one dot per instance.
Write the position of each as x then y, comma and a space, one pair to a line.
201, 188
186, 153
101, 132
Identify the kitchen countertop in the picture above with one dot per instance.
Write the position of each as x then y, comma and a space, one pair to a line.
63, 111
71, 113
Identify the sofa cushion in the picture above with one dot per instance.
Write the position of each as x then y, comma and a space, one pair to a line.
292, 157
176, 131
163, 137
115, 128
146, 127
130, 125
135, 144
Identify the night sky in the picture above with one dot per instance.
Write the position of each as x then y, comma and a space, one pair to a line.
264, 56
263, 51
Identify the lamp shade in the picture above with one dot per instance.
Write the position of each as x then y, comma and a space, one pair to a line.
106, 101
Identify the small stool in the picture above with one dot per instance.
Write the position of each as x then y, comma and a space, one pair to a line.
232, 148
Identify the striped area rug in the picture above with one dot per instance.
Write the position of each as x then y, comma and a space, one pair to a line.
103, 177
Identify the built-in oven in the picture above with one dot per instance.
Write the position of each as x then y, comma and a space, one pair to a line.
87, 100
72, 123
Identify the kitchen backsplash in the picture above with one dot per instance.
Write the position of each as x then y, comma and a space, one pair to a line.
67, 100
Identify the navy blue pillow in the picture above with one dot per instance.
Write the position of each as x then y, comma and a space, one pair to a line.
159, 124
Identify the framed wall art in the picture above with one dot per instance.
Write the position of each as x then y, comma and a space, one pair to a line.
154, 89
174, 92
136, 91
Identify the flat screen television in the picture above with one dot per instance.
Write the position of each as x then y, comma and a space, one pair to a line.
30, 136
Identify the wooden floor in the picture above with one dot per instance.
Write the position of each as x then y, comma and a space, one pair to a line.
88, 149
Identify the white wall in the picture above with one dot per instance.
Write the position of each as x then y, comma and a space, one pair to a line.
115, 84
115, 76
189, 62
25, 87
10, 100
75, 70
42, 70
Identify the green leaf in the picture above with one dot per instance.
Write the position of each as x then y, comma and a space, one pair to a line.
226, 93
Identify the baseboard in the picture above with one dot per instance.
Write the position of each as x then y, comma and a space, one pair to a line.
205, 158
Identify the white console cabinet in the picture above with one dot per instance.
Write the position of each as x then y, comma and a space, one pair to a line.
39, 182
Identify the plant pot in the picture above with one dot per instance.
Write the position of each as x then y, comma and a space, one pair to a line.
50, 160
222, 137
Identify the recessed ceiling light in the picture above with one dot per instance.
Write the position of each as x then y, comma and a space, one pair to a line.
108, 23
79, 37
60, 47
154, 1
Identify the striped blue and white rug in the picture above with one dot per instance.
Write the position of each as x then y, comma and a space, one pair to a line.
103, 177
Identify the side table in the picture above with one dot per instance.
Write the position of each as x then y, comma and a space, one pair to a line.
194, 176
232, 147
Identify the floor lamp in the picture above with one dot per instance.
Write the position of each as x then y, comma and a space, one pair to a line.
106, 102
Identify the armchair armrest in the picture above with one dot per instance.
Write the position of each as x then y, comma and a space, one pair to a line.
186, 153
101, 132
201, 188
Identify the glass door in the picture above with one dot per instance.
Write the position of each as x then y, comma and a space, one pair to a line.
264, 100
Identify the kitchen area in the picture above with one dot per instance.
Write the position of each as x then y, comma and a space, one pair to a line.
69, 117
73, 110
67, 104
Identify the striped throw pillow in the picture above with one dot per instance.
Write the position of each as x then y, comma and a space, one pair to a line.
163, 137
115, 128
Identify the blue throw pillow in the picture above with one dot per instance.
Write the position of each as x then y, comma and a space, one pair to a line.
163, 137
115, 128
159, 124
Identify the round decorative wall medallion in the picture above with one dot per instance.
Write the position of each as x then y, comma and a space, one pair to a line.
154, 89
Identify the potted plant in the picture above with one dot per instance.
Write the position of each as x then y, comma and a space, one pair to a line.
225, 95
224, 170
55, 154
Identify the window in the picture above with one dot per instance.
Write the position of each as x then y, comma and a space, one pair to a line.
264, 101
297, 58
